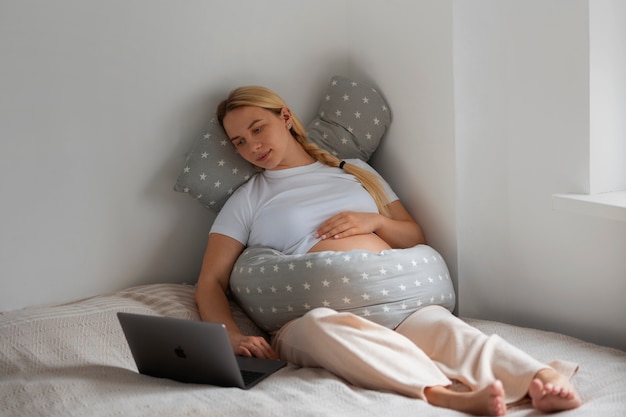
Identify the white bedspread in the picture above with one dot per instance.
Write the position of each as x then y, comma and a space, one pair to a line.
72, 360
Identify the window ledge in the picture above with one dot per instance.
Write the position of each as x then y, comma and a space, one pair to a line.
607, 205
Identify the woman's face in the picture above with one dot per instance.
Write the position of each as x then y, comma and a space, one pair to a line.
260, 136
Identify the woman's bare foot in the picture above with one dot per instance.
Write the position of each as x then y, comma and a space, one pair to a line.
551, 391
489, 401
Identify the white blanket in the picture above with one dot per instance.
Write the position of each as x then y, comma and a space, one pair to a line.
72, 360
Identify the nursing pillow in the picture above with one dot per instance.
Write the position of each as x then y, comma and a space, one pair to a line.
385, 287
351, 120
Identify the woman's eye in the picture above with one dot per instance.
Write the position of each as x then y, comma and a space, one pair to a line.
257, 129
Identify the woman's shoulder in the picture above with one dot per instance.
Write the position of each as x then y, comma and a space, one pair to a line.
251, 183
244, 191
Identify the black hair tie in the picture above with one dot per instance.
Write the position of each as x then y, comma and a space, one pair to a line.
341, 164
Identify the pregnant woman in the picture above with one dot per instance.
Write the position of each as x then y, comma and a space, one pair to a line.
306, 200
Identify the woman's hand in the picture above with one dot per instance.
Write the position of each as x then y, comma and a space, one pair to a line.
398, 229
249, 346
348, 223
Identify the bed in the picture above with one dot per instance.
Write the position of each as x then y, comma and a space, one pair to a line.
73, 360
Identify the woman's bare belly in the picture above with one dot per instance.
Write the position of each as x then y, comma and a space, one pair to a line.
369, 242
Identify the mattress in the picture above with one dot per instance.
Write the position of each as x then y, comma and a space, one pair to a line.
73, 360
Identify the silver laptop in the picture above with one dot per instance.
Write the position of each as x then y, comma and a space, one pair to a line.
190, 351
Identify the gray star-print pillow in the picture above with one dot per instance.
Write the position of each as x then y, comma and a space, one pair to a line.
351, 121
385, 287
213, 169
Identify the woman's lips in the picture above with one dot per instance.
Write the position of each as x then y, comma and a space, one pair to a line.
264, 157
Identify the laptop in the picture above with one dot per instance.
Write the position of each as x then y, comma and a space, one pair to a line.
191, 351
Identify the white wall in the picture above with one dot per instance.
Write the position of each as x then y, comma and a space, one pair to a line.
607, 95
522, 133
405, 47
100, 100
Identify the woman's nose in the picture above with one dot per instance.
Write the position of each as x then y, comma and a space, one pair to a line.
254, 145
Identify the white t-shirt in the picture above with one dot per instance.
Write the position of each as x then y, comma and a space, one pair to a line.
282, 209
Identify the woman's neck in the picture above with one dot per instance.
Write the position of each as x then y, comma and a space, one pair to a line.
298, 156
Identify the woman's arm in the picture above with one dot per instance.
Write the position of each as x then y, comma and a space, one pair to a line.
220, 256
399, 230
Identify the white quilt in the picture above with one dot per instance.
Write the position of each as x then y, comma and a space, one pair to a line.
72, 360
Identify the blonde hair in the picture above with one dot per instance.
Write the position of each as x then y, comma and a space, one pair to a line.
267, 99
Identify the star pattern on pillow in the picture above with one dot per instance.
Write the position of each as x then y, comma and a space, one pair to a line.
274, 289
213, 170
351, 119
350, 123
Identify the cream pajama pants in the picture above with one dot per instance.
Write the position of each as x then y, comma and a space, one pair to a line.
429, 348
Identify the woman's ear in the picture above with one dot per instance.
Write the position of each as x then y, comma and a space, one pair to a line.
285, 113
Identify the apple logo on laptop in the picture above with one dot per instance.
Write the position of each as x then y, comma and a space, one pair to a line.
180, 352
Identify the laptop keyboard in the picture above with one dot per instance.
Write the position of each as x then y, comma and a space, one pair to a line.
251, 376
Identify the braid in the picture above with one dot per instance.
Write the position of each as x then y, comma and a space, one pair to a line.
320, 154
